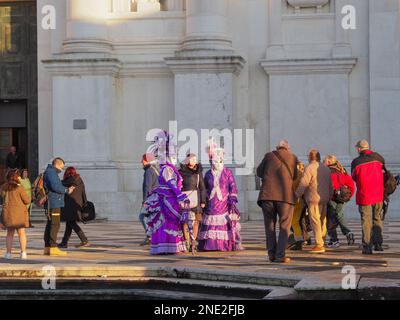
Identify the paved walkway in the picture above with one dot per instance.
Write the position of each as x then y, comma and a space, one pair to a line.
116, 244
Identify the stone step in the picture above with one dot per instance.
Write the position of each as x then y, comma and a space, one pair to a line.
142, 287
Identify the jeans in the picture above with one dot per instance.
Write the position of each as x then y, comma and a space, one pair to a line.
52, 228
272, 210
372, 225
73, 225
335, 219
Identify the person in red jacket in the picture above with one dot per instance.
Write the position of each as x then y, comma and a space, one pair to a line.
339, 178
367, 172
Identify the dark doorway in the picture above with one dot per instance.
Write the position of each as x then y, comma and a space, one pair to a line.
18, 82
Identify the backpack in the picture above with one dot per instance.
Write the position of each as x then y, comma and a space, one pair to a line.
343, 194
39, 192
390, 183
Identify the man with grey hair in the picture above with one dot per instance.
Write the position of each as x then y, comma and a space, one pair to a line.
367, 172
278, 170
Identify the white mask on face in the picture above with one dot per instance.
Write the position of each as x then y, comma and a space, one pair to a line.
173, 160
218, 166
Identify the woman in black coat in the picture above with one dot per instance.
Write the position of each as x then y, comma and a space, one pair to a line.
74, 203
192, 174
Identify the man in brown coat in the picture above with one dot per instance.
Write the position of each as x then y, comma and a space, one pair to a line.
278, 170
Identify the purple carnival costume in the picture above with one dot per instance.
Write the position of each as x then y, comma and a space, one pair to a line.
164, 206
220, 227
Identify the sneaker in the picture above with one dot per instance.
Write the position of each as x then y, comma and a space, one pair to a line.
308, 242
350, 238
63, 245
23, 256
333, 244
282, 260
55, 252
317, 249
298, 246
378, 247
8, 256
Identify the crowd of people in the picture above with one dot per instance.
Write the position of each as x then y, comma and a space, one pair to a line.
185, 210
318, 193
64, 200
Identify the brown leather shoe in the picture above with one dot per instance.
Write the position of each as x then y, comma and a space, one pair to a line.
283, 260
317, 249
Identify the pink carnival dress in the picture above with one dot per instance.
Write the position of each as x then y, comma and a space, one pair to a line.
220, 229
166, 216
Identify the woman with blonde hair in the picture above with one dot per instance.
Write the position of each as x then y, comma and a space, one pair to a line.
15, 213
343, 187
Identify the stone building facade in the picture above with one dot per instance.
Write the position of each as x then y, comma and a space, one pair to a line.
113, 69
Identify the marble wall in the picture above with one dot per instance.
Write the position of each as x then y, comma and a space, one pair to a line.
284, 70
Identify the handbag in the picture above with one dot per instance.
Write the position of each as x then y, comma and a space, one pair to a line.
88, 212
193, 195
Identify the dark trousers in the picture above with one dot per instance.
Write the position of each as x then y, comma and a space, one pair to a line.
52, 228
271, 211
73, 225
372, 225
336, 219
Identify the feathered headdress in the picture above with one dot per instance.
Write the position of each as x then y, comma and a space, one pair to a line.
214, 152
163, 146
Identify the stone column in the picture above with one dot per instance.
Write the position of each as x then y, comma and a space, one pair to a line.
342, 47
148, 6
275, 48
175, 5
87, 27
205, 70
205, 67
206, 25
121, 6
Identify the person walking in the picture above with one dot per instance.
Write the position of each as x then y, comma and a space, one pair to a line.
150, 181
15, 213
73, 207
278, 171
56, 194
316, 186
367, 172
26, 183
193, 186
343, 188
